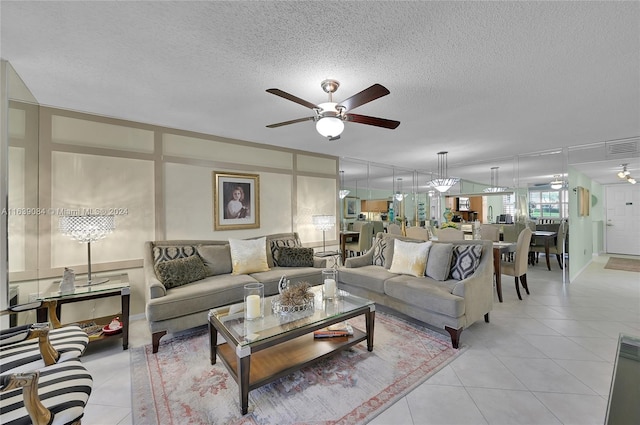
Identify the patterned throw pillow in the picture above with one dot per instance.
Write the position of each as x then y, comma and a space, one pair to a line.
248, 256
166, 253
439, 261
276, 244
178, 272
296, 257
409, 258
465, 261
379, 251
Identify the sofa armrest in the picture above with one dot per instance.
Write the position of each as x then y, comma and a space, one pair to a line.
319, 263
155, 288
477, 289
365, 259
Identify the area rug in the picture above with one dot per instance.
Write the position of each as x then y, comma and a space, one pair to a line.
626, 264
178, 385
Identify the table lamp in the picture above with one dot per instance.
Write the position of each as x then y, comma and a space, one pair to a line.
324, 223
87, 229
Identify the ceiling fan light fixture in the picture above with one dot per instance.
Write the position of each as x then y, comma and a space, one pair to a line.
624, 172
631, 180
557, 183
330, 126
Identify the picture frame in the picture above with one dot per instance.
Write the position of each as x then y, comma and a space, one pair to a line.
584, 201
350, 207
236, 201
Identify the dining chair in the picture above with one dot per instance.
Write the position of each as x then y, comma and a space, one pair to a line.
394, 229
450, 234
556, 248
518, 267
490, 232
418, 233
364, 242
378, 227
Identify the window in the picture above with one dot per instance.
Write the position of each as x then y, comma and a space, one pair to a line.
548, 203
509, 204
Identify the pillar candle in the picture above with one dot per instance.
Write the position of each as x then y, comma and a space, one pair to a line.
253, 306
329, 288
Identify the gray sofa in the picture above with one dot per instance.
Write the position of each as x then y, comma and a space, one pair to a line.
444, 302
176, 308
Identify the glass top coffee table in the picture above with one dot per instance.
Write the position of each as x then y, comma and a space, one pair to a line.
260, 351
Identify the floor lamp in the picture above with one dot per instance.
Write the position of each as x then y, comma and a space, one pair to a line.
87, 229
324, 223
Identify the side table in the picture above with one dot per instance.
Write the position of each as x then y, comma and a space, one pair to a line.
117, 285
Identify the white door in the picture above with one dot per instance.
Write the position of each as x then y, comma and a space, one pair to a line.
623, 219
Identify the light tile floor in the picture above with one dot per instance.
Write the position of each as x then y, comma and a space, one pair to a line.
547, 359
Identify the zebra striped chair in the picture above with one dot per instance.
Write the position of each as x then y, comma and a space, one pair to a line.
55, 395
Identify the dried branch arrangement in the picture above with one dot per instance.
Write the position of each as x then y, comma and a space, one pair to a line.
297, 294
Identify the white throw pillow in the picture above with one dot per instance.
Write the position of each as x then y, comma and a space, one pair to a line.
409, 257
248, 256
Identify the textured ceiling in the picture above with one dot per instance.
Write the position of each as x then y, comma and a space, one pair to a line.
483, 80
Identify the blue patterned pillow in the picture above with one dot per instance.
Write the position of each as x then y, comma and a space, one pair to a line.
466, 259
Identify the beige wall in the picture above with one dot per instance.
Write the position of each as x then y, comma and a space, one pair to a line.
159, 183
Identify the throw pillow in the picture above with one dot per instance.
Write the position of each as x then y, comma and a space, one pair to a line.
166, 253
248, 256
409, 258
439, 261
296, 257
465, 260
276, 244
178, 272
217, 258
379, 251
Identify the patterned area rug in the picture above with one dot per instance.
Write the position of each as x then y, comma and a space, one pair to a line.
626, 264
178, 385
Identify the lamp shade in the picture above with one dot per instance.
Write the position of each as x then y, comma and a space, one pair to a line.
87, 228
324, 222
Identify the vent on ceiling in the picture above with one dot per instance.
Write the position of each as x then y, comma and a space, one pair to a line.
626, 148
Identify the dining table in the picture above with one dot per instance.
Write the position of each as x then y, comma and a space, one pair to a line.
344, 235
500, 248
547, 237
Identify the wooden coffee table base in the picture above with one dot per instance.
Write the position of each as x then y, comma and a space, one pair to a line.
253, 367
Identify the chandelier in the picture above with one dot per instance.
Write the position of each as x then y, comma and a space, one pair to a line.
495, 187
443, 183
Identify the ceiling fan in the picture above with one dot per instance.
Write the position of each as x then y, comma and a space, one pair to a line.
330, 116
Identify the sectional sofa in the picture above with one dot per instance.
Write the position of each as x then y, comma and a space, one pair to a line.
186, 278
452, 290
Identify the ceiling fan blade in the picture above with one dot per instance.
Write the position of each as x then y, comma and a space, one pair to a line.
378, 122
367, 95
292, 98
280, 124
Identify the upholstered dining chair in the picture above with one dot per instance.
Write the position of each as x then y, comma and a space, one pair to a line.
450, 234
556, 247
418, 233
490, 232
364, 242
518, 267
394, 229
378, 227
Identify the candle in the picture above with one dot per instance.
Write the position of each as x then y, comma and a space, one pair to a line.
253, 306
329, 288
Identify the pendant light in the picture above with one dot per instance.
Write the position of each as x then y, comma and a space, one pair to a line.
343, 192
495, 186
443, 183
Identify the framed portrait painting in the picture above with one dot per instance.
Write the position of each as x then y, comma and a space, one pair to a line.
350, 207
236, 201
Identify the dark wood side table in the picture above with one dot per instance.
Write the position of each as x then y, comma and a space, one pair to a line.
117, 285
